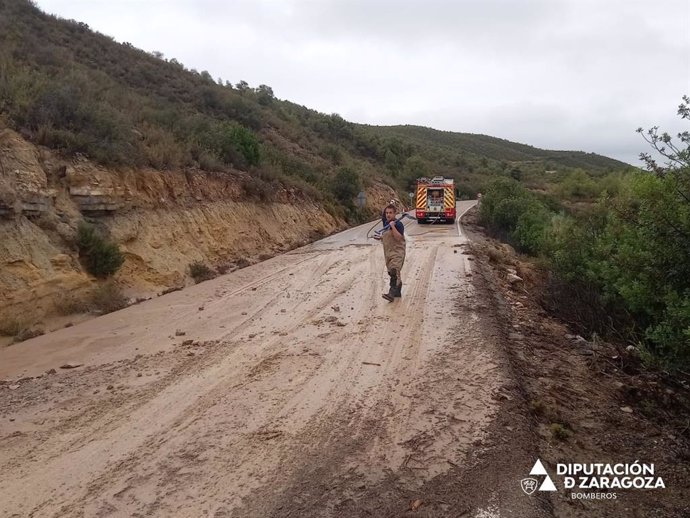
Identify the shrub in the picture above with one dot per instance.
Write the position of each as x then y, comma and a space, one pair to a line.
200, 272
257, 188
578, 185
558, 431
162, 150
101, 258
108, 297
670, 336
229, 142
26, 334
512, 212
502, 203
346, 185
530, 232
246, 142
69, 303
12, 326
333, 153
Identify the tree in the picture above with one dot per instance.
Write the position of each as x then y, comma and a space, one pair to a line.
663, 144
232, 143
415, 167
247, 143
643, 254
264, 95
346, 185
395, 156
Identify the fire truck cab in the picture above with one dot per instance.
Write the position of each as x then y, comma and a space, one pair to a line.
435, 200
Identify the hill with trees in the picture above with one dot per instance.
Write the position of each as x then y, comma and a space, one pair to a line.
79, 92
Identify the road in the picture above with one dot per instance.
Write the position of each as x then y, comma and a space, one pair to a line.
302, 390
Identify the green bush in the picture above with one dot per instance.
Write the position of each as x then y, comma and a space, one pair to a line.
229, 142
632, 251
559, 432
346, 185
246, 142
512, 212
530, 231
506, 213
670, 336
578, 185
101, 258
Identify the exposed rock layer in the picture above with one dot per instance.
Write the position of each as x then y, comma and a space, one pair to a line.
162, 220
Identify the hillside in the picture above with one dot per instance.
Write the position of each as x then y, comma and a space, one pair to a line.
80, 92
477, 146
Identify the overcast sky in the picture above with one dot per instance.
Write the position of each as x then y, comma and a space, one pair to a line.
558, 74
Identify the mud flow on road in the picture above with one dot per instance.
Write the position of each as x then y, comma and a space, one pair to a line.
287, 384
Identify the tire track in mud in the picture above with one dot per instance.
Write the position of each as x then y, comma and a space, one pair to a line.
365, 433
269, 429
335, 476
210, 396
290, 422
115, 409
273, 431
379, 395
408, 358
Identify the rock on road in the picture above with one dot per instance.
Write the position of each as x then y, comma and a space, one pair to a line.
301, 386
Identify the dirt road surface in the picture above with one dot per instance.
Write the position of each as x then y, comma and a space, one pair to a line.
302, 393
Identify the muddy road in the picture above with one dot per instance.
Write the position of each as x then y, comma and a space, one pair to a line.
288, 388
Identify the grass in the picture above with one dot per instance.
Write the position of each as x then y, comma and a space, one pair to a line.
11, 327
26, 334
107, 297
19, 330
70, 303
559, 432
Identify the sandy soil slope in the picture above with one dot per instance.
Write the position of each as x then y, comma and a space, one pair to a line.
293, 391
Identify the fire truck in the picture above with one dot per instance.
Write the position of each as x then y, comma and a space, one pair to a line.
435, 200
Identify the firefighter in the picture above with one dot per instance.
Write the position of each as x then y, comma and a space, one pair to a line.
393, 251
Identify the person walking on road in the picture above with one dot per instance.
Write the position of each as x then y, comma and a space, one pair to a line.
393, 251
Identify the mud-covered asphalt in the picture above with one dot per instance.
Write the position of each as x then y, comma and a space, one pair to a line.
287, 386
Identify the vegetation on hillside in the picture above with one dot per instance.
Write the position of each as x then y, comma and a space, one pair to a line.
101, 258
79, 92
623, 261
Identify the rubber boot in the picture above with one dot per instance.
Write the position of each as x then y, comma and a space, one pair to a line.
397, 291
393, 279
391, 290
